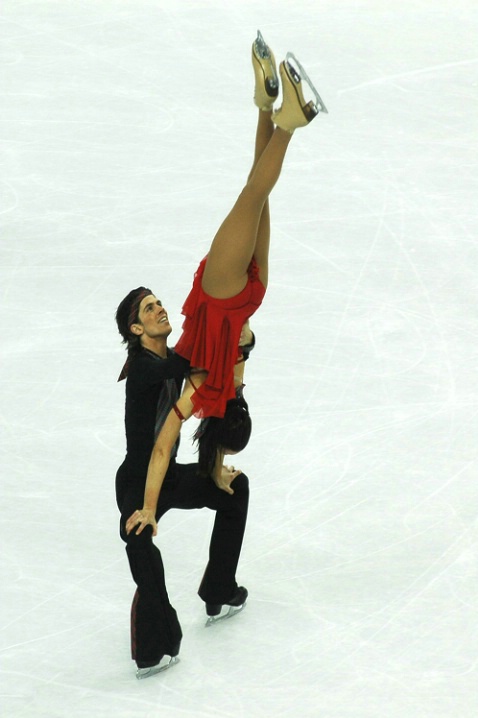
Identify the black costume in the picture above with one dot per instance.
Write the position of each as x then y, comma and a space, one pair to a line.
153, 385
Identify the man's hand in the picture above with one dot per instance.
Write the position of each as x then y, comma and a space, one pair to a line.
246, 335
226, 477
143, 517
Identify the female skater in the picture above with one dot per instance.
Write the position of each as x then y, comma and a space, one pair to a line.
228, 287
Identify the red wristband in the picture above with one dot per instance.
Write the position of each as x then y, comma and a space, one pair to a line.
178, 413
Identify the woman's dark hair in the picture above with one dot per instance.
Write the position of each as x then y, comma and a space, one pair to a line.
127, 314
232, 433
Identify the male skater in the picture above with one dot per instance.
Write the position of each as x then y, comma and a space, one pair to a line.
154, 375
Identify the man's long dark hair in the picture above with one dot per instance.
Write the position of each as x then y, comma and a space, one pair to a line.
126, 315
232, 433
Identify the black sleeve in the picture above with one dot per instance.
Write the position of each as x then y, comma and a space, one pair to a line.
151, 370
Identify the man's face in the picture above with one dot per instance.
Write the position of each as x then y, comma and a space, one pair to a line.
153, 319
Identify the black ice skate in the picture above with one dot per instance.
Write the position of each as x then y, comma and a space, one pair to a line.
296, 111
163, 665
218, 612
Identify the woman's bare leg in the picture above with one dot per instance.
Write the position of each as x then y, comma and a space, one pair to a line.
264, 132
247, 225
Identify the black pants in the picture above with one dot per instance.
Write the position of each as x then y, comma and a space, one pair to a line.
155, 628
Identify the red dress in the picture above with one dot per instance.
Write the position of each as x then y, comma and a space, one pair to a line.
210, 338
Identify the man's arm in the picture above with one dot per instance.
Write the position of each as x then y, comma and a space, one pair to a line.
247, 343
247, 340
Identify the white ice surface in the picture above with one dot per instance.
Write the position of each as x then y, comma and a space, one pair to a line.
126, 133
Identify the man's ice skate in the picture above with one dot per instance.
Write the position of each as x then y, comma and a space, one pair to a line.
296, 111
218, 612
163, 665
267, 81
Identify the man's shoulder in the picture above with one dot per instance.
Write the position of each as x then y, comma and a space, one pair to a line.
146, 355
148, 366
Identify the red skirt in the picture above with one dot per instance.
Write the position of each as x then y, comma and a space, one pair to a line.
210, 338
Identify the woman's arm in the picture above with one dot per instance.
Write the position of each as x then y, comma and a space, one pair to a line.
159, 461
158, 466
223, 476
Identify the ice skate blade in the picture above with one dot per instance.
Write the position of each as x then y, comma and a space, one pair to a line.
229, 614
298, 73
267, 81
160, 668
261, 48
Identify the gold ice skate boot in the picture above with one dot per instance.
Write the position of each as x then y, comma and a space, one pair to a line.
295, 110
267, 81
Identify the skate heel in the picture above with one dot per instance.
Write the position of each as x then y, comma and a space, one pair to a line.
218, 612
295, 111
228, 612
265, 72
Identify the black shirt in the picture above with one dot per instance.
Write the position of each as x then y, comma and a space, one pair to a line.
153, 385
